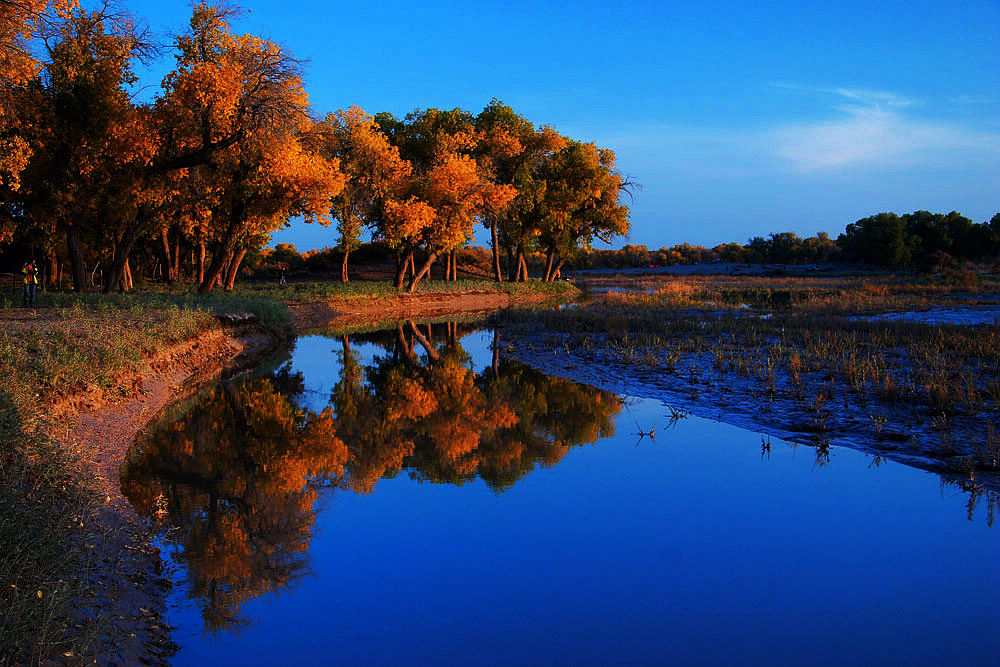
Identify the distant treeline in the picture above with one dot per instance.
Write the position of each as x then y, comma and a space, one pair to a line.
919, 240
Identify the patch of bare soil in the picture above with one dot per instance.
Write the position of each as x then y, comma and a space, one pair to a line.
130, 589
347, 313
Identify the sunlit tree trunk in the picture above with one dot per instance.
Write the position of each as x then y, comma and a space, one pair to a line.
407, 259
126, 280
343, 266
496, 251
123, 248
234, 268
549, 257
52, 274
177, 256
201, 260
168, 272
424, 270
454, 265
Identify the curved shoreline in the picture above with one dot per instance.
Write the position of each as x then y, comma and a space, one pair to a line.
130, 591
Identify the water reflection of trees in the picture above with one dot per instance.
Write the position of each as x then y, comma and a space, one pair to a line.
238, 475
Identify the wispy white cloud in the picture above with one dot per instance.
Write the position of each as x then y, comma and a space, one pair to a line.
874, 130
864, 96
860, 130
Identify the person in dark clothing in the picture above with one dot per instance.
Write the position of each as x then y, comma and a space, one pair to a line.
30, 271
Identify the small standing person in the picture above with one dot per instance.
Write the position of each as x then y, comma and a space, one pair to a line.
30, 271
281, 280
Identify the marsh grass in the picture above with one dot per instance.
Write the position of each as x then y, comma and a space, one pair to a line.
793, 342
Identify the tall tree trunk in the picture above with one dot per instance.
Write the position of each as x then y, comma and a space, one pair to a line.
454, 265
557, 272
224, 250
52, 274
549, 257
177, 256
496, 250
123, 249
424, 270
201, 260
234, 268
512, 268
522, 268
168, 273
226, 263
401, 270
447, 266
126, 280
75, 248
343, 267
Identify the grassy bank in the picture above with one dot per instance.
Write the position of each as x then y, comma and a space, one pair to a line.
48, 497
95, 343
788, 350
384, 290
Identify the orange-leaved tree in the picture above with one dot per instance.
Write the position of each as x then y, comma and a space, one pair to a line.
21, 23
90, 142
373, 168
581, 201
449, 191
236, 110
514, 150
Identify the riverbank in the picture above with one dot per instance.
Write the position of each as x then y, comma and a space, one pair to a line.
88, 378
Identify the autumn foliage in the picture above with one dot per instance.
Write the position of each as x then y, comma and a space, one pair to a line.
229, 150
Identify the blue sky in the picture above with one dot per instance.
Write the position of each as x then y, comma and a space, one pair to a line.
737, 120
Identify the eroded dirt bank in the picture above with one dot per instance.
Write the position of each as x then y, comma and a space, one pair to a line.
125, 576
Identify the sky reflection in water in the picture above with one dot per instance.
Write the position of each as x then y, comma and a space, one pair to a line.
694, 547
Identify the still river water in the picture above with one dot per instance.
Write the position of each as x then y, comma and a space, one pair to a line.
409, 497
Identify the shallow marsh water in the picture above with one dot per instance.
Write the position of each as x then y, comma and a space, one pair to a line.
480, 511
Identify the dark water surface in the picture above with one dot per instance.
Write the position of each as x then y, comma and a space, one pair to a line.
454, 507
